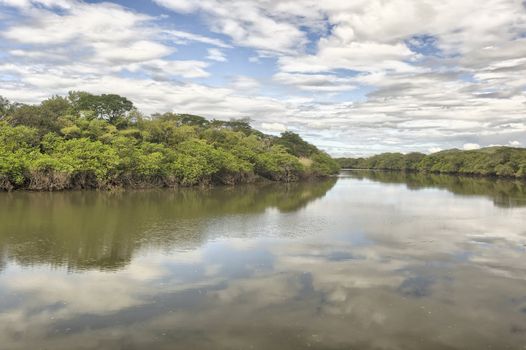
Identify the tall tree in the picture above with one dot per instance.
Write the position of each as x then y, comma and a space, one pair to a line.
45, 117
111, 107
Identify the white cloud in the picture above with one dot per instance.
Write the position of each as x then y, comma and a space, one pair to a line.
136, 52
181, 37
216, 55
247, 23
165, 69
471, 146
85, 42
149, 95
243, 83
315, 82
356, 77
184, 6
81, 23
366, 56
273, 127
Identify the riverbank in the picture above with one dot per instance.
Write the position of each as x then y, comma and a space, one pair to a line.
46, 183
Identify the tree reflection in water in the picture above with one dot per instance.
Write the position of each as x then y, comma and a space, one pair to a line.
506, 193
91, 229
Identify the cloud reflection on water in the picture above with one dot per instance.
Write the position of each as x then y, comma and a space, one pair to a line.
376, 266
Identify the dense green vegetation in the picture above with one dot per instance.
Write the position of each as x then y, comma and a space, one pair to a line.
102, 141
491, 161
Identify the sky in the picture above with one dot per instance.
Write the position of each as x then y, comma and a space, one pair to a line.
355, 78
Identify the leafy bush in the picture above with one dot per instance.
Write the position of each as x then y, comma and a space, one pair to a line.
279, 165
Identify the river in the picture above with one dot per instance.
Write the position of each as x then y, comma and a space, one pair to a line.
367, 260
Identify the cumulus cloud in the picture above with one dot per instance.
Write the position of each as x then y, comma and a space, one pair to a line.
165, 69
244, 83
216, 55
316, 82
356, 77
181, 37
81, 24
247, 23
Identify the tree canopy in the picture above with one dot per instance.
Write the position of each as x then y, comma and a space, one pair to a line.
102, 141
111, 107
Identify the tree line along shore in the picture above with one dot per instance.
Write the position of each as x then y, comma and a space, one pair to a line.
490, 161
85, 141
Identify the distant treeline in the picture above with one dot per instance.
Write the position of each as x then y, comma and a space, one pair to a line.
103, 141
490, 161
